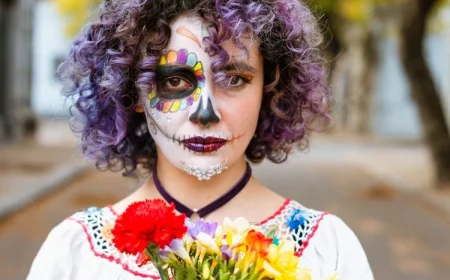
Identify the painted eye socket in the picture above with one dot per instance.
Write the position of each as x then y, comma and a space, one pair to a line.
175, 87
175, 82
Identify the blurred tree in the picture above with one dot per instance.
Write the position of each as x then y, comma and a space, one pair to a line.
350, 35
423, 89
77, 13
17, 120
342, 18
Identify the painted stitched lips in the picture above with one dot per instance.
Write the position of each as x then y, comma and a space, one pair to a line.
204, 145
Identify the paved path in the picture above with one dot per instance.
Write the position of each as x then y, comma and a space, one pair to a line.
403, 236
22, 234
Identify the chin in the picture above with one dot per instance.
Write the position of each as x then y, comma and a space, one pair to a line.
202, 165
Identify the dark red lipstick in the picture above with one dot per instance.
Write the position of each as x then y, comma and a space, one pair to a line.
204, 145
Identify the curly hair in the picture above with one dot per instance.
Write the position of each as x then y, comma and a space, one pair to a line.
115, 57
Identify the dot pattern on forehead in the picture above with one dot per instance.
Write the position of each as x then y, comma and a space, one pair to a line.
182, 57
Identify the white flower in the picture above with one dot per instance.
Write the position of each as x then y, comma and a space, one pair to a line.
207, 241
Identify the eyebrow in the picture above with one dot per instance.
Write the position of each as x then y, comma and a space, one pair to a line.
188, 34
239, 66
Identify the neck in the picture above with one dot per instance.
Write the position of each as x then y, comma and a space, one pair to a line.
193, 193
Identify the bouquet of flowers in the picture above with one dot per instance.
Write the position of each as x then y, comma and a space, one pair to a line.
180, 249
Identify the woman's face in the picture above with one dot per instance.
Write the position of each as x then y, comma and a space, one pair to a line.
198, 125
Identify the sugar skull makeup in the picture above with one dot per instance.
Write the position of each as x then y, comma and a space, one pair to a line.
200, 126
179, 81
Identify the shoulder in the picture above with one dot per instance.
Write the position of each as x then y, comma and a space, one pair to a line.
60, 251
323, 241
81, 247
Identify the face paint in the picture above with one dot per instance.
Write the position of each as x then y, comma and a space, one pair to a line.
205, 115
188, 34
200, 126
179, 82
204, 174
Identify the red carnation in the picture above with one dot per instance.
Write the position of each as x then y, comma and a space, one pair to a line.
146, 222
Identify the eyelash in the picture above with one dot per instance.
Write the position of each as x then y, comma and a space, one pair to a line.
244, 78
176, 77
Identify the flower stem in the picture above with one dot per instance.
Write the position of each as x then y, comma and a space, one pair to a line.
153, 250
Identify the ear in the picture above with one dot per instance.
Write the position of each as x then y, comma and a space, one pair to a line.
139, 108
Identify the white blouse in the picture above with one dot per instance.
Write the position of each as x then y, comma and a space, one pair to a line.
80, 248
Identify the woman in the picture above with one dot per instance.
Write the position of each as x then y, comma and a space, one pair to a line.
190, 91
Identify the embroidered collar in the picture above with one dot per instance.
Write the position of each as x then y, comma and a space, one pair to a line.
292, 219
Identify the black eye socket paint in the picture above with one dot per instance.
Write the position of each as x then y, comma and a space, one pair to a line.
167, 78
178, 83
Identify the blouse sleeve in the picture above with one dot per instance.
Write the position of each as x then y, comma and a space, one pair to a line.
54, 260
341, 255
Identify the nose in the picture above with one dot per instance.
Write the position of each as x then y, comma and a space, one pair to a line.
204, 115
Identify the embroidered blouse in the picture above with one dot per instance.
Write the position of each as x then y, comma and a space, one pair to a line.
80, 248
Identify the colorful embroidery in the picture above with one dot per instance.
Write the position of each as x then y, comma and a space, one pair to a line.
97, 224
298, 222
296, 219
181, 57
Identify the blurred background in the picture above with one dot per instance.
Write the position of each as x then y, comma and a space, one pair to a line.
384, 166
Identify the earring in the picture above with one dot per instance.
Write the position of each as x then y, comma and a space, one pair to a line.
139, 108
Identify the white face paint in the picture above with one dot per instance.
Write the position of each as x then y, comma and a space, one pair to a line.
199, 126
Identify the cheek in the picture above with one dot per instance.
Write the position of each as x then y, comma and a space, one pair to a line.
169, 122
241, 115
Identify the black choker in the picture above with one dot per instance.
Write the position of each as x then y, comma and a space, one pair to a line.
213, 206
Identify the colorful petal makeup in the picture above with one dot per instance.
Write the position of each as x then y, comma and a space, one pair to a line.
179, 81
199, 125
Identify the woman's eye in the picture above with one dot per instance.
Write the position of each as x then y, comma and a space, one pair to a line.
236, 81
176, 84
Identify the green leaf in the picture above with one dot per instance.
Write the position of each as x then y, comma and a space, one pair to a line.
243, 276
231, 265
206, 272
224, 276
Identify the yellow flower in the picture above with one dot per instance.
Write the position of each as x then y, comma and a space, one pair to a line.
282, 264
188, 241
207, 241
235, 230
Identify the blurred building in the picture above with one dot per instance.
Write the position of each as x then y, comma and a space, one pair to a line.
16, 117
50, 45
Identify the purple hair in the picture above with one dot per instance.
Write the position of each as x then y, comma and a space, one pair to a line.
114, 59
